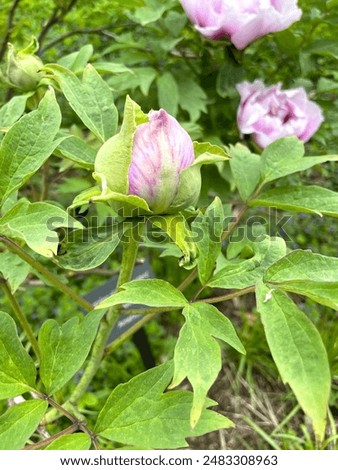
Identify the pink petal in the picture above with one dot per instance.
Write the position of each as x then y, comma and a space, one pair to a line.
161, 150
270, 113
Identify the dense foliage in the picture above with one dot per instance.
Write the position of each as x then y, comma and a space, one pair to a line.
93, 183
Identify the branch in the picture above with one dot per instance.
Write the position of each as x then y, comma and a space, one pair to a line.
77, 424
130, 245
56, 17
225, 235
40, 268
223, 298
188, 280
102, 30
20, 316
149, 313
9, 29
37, 445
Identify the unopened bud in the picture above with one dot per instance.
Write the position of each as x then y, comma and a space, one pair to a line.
23, 67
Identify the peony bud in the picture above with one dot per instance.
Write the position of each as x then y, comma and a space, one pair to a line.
242, 21
161, 150
151, 166
270, 113
23, 67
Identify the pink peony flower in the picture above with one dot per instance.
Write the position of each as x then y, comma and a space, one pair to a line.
161, 150
270, 113
242, 21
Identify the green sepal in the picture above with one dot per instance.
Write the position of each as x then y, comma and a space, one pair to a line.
32, 47
209, 150
23, 67
176, 227
189, 187
114, 157
125, 205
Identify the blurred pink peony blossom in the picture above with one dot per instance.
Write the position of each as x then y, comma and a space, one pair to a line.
270, 113
161, 150
242, 21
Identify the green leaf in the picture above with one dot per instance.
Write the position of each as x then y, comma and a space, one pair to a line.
19, 422
17, 370
153, 11
176, 227
238, 274
208, 150
192, 98
198, 354
10, 202
78, 441
326, 85
243, 239
288, 43
324, 47
142, 77
281, 158
245, 167
207, 229
28, 144
331, 4
91, 99
35, 224
299, 353
151, 292
65, 348
87, 249
13, 269
13, 110
114, 157
229, 75
168, 97
307, 273
84, 198
76, 61
77, 150
139, 413
309, 199
112, 67
285, 157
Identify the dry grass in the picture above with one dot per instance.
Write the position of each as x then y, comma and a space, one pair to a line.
265, 413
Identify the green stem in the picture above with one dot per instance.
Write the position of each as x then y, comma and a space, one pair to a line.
94, 361
130, 246
21, 317
188, 280
224, 298
121, 339
150, 312
226, 234
147, 311
40, 268
44, 182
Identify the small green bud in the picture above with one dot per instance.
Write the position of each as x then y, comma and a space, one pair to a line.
23, 67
